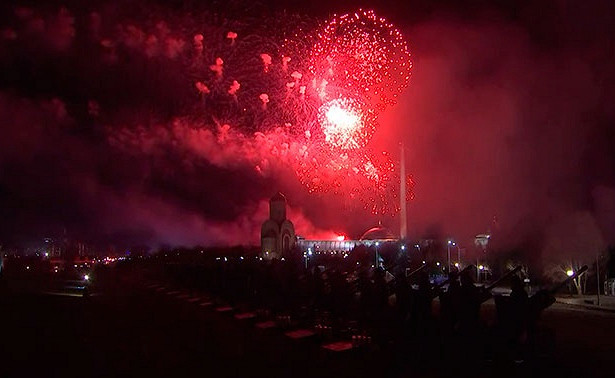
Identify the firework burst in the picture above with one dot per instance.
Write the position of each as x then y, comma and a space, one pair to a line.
317, 88
357, 66
345, 123
362, 56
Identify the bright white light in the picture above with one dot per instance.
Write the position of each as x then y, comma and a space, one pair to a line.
28, 267
342, 122
438, 264
86, 277
449, 242
341, 119
423, 261
570, 272
46, 254
341, 237
377, 244
456, 265
481, 267
403, 247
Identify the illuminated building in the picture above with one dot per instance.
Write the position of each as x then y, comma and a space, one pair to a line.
277, 233
278, 236
52, 248
375, 236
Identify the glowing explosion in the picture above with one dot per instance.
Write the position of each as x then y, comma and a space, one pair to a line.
363, 57
344, 124
357, 66
310, 102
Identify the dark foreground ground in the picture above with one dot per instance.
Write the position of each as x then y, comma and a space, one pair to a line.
132, 327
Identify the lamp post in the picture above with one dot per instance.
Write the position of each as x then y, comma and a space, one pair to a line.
448, 256
480, 241
477, 271
307, 257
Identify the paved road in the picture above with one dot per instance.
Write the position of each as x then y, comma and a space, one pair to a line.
134, 330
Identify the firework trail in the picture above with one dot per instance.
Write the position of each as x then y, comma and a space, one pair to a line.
304, 95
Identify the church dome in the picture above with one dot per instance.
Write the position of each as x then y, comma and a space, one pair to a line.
278, 197
378, 233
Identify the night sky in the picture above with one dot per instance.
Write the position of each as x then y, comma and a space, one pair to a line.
509, 116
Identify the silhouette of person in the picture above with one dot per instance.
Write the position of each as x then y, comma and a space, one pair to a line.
449, 303
423, 299
469, 304
468, 327
402, 296
519, 310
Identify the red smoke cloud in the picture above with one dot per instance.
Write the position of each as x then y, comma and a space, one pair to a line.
106, 131
135, 212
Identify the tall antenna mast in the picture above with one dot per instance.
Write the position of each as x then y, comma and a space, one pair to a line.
403, 225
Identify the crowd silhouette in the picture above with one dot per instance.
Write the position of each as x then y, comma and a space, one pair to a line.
396, 311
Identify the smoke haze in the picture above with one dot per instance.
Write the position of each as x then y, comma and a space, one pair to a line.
508, 116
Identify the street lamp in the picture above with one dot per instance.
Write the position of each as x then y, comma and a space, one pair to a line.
307, 257
458, 253
448, 256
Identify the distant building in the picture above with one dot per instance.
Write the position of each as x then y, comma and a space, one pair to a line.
52, 247
374, 236
278, 236
277, 233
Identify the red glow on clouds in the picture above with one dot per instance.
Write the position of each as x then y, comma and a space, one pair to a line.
171, 224
314, 115
176, 125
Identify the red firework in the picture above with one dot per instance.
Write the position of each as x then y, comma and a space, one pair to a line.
346, 124
362, 56
309, 99
328, 94
357, 67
